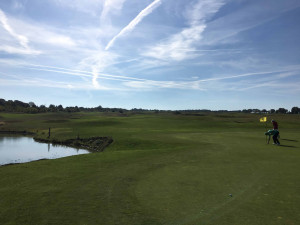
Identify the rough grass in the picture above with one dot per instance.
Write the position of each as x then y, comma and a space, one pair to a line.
161, 169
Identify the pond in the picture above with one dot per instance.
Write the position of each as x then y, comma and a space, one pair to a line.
18, 149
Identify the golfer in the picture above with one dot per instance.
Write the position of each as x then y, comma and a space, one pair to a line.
275, 124
275, 134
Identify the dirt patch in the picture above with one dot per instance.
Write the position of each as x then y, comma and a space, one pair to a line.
226, 116
101, 123
239, 122
14, 121
193, 114
2, 123
56, 121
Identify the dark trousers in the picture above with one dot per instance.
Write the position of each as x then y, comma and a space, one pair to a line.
275, 139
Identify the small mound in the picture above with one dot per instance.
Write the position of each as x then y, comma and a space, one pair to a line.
93, 144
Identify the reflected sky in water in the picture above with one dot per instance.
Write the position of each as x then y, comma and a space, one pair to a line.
16, 149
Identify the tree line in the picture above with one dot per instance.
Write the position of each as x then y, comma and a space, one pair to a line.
31, 107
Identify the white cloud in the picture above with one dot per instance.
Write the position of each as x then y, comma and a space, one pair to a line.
179, 46
91, 7
22, 46
97, 63
182, 45
16, 5
23, 41
45, 35
17, 50
47, 38
202, 10
134, 22
59, 40
111, 6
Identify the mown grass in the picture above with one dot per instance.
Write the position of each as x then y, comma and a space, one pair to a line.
160, 169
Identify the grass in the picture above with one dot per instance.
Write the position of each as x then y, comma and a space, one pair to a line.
160, 169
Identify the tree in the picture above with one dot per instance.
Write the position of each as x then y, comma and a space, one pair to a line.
31, 104
42, 108
99, 108
247, 110
256, 110
60, 108
282, 110
295, 110
52, 108
2, 101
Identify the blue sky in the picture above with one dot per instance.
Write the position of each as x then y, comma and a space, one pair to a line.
154, 54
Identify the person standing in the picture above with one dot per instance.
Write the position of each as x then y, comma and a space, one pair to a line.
275, 125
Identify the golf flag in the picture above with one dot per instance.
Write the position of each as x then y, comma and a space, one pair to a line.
263, 119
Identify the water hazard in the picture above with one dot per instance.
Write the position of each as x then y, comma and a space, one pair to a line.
17, 149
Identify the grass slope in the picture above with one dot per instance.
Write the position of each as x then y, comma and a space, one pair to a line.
160, 169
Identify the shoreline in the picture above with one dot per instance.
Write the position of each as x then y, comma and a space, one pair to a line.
23, 132
11, 164
92, 144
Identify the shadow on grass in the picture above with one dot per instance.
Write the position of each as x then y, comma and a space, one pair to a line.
289, 146
289, 140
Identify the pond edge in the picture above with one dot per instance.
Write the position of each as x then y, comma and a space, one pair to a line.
92, 144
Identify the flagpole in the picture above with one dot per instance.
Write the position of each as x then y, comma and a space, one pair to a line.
264, 120
266, 135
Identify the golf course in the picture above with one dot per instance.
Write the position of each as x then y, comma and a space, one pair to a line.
161, 168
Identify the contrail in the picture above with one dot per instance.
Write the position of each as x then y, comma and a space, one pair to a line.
135, 21
133, 80
243, 75
79, 72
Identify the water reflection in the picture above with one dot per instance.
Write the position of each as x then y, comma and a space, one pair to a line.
16, 149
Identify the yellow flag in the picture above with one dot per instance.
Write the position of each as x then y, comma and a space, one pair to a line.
263, 119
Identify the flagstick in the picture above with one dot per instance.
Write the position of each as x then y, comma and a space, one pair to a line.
266, 135
264, 120
267, 131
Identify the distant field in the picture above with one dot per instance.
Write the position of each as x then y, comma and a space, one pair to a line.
160, 169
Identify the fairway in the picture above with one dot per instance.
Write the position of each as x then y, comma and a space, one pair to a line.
161, 168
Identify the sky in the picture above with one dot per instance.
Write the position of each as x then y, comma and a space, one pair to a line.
151, 54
